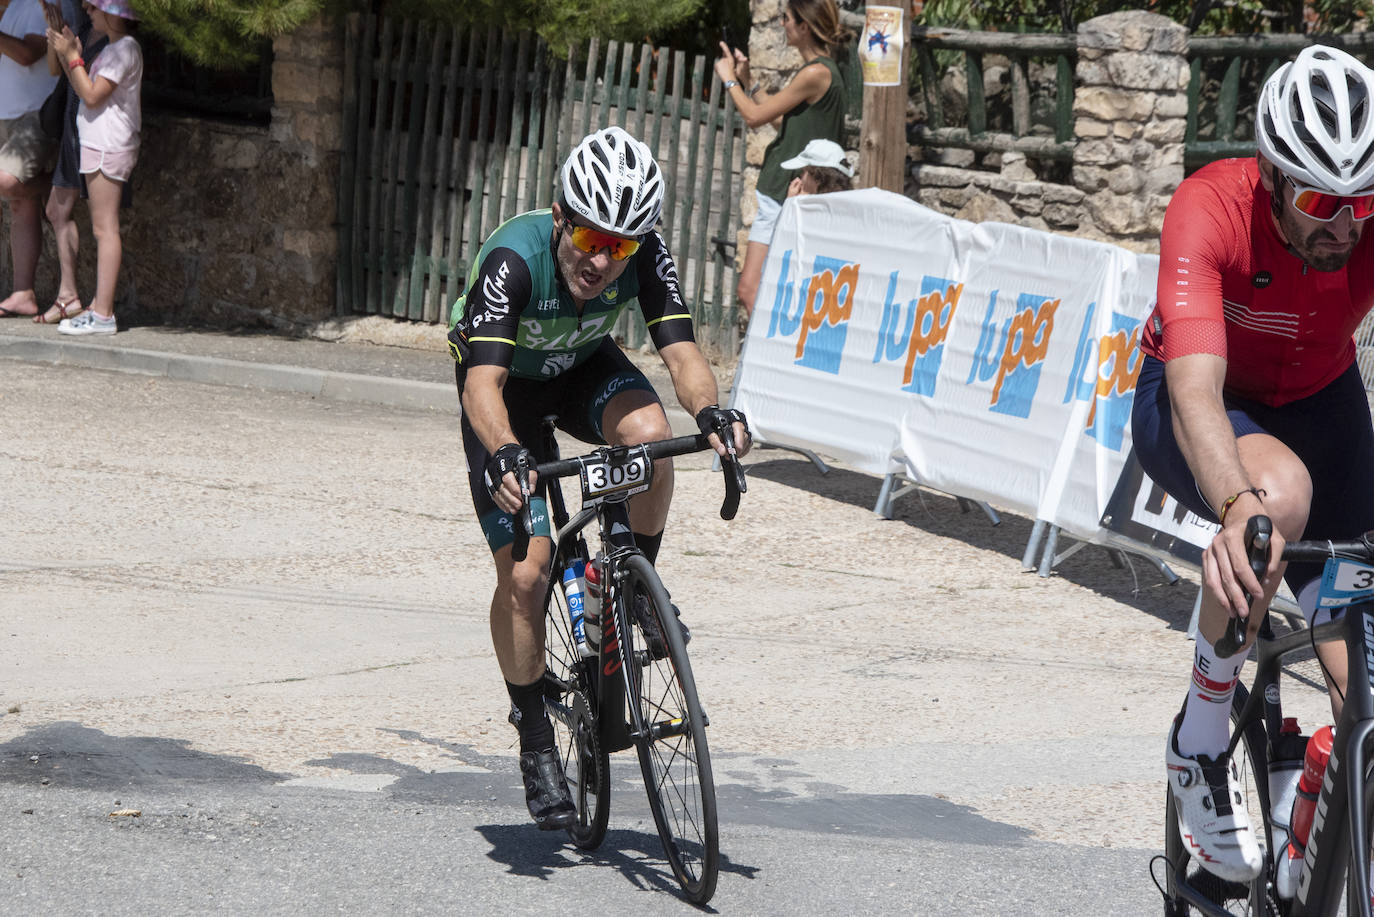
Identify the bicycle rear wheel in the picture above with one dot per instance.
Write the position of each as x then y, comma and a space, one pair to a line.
570, 700
670, 731
1254, 898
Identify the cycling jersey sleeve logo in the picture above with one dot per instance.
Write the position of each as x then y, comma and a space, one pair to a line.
1261, 279
494, 289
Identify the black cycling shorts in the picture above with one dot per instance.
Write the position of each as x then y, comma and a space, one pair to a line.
1329, 431
578, 397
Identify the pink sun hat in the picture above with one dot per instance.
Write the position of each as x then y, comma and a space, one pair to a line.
120, 8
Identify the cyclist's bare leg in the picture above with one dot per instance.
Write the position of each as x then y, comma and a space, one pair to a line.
632, 417
517, 612
1205, 724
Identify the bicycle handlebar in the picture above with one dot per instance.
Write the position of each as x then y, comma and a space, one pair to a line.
1258, 531
735, 483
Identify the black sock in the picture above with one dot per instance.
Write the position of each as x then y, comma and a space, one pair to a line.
531, 720
649, 544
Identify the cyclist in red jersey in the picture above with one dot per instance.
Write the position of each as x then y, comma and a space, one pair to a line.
1249, 399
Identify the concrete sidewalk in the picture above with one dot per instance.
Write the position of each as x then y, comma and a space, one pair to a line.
372, 360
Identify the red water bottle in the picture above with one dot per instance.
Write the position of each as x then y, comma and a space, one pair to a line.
591, 603
1304, 805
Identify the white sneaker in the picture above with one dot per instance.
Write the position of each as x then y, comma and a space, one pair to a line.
1211, 814
88, 323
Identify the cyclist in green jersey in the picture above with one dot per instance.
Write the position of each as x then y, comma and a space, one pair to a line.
531, 337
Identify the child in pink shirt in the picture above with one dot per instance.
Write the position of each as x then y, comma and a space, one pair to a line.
108, 122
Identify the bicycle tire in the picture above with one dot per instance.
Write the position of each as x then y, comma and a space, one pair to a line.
1255, 898
571, 703
670, 736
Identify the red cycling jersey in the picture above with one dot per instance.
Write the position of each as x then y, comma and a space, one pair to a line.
1230, 285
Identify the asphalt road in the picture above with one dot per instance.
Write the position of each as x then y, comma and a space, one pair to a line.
258, 619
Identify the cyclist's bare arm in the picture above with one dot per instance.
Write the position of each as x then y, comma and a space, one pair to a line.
486, 412
1208, 443
696, 388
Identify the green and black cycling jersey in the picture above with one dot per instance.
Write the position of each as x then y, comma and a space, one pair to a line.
516, 312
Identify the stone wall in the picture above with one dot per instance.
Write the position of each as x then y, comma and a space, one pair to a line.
1130, 108
232, 225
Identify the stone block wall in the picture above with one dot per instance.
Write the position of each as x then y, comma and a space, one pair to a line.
1130, 109
232, 225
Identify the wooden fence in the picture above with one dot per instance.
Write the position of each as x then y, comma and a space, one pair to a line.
449, 132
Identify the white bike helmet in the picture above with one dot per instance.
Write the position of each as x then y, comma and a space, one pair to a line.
612, 182
1316, 120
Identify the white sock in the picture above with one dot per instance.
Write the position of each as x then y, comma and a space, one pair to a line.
1206, 725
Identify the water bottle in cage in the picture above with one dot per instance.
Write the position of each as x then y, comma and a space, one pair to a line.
591, 603
575, 588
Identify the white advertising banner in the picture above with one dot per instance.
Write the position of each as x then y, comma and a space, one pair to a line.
992, 361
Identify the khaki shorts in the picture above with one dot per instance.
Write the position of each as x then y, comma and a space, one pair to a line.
25, 151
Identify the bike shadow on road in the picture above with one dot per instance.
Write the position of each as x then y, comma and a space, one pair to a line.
636, 855
1136, 582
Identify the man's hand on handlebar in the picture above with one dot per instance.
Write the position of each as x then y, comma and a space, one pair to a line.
713, 420
510, 477
1229, 563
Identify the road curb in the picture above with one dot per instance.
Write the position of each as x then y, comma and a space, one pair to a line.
335, 385
317, 383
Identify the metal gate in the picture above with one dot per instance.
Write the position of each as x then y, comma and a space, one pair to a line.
448, 132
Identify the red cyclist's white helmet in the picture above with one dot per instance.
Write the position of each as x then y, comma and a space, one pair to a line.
1316, 120
611, 181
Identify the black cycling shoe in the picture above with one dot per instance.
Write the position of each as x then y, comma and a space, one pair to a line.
546, 791
648, 622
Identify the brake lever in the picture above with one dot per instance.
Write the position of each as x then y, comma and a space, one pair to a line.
1258, 531
520, 548
735, 483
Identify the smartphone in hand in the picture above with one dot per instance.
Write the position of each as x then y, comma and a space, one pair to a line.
726, 37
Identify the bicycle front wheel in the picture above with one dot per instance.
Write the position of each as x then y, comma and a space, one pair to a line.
570, 699
1255, 898
670, 734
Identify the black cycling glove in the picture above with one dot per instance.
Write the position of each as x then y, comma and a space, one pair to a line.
506, 460
715, 419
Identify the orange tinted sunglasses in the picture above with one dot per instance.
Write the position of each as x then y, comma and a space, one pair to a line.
1321, 205
592, 241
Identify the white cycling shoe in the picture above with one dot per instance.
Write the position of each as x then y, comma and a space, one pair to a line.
1211, 814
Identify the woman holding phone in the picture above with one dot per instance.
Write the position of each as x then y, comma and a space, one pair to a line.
810, 106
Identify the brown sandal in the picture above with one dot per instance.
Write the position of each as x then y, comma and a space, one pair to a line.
46, 318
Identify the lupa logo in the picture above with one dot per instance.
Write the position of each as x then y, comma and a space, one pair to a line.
1105, 370
1015, 354
820, 318
919, 342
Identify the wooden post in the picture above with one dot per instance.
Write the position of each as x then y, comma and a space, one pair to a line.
882, 137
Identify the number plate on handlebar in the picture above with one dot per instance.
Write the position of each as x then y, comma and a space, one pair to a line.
1345, 582
615, 474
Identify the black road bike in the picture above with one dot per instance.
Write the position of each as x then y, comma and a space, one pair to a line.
1335, 870
633, 690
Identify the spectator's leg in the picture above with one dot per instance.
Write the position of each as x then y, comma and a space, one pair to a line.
26, 239
104, 198
747, 289
61, 202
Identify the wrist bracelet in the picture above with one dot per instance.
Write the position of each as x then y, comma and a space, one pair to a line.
1230, 501
75, 62
730, 84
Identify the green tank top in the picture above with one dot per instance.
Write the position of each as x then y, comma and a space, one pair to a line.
822, 119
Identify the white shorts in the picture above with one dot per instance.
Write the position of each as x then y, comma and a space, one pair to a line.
762, 228
116, 166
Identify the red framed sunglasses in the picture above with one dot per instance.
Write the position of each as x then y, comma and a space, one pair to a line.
1324, 206
592, 241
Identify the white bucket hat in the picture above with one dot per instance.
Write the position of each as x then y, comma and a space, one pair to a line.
825, 153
